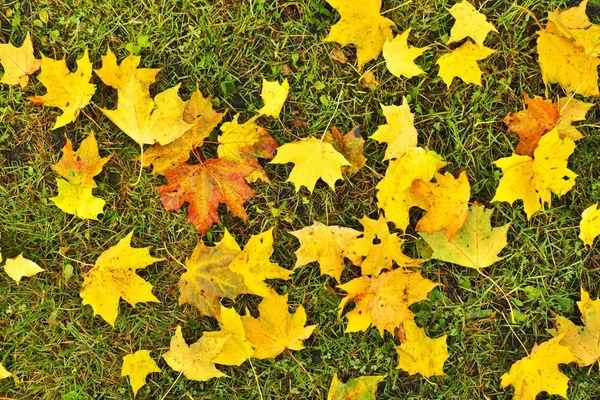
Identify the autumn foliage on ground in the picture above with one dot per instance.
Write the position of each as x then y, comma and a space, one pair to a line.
424, 210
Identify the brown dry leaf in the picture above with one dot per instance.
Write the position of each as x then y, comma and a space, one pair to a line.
368, 81
339, 56
350, 146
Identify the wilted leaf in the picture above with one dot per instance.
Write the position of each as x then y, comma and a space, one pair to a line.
469, 23
349, 145
418, 354
571, 110
137, 366
18, 62
362, 388
399, 133
274, 95
399, 56
19, 267
462, 63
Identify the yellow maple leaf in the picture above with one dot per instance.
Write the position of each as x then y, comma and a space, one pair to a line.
327, 245
276, 329
198, 112
3, 372
574, 24
418, 354
447, 203
18, 62
534, 179
77, 200
274, 95
69, 91
19, 267
362, 26
349, 145
538, 372
399, 133
254, 265
583, 341
118, 76
313, 159
399, 56
462, 63
237, 348
383, 301
590, 225
469, 23
571, 110
395, 195
476, 245
361, 388
195, 361
208, 277
137, 366
113, 277
382, 255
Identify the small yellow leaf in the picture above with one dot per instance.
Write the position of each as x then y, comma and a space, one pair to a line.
571, 110
399, 56
73, 199
19, 267
237, 348
419, 354
18, 62
113, 277
274, 95
399, 133
462, 63
195, 361
469, 23
3, 372
361, 388
590, 225
313, 159
137, 366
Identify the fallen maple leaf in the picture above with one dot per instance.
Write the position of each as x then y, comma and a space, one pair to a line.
237, 348
195, 362
19, 267
476, 245
590, 225
360, 25
313, 159
274, 95
447, 203
574, 24
571, 110
327, 245
418, 354
118, 76
208, 277
399, 133
538, 372
69, 91
533, 179
137, 366
276, 329
399, 56
380, 255
361, 388
113, 277
469, 23
383, 301
18, 62
245, 143
77, 200
198, 112
583, 341
350, 146
205, 186
462, 63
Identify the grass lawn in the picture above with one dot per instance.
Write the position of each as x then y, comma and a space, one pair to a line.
56, 348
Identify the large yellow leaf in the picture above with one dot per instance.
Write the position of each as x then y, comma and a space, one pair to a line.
361, 388
237, 348
476, 245
590, 225
469, 23
195, 361
327, 245
137, 366
383, 301
380, 255
19, 267
77, 200
447, 203
538, 372
274, 95
276, 329
399, 56
462, 63
418, 354
113, 277
18, 62
583, 341
533, 179
395, 193
313, 159
399, 133
362, 26
118, 76
69, 91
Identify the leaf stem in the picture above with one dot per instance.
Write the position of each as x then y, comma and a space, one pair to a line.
141, 165
337, 105
301, 366
256, 379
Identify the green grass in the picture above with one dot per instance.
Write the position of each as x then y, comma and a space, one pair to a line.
57, 349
